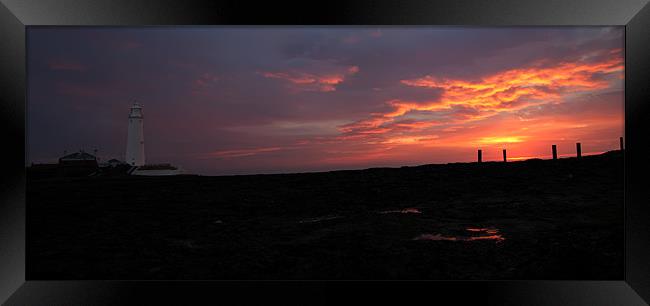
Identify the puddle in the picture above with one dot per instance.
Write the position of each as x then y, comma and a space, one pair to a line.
318, 219
481, 234
402, 211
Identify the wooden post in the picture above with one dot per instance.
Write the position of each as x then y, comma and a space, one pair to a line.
578, 150
504, 156
554, 147
480, 156
621, 141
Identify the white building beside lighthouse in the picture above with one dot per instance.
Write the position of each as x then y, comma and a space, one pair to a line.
135, 140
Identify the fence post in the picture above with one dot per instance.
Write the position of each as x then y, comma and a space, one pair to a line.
554, 147
578, 150
621, 141
504, 156
480, 156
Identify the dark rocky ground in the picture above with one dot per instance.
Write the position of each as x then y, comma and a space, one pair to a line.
559, 220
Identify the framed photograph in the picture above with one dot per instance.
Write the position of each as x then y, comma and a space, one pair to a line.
161, 152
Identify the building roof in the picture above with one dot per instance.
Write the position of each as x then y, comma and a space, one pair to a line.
81, 155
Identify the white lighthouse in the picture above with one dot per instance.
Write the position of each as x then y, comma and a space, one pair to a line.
135, 141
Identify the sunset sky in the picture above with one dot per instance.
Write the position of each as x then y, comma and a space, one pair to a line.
271, 100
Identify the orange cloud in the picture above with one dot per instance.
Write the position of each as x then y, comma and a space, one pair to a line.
411, 140
313, 82
502, 139
414, 125
507, 91
499, 91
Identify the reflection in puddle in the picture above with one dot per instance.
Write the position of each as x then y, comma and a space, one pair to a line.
484, 234
483, 230
435, 237
402, 211
318, 219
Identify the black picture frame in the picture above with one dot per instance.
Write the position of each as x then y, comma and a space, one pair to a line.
16, 15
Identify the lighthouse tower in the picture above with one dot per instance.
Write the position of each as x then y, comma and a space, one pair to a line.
135, 141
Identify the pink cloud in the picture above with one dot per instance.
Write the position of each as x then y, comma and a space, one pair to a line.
66, 65
71, 89
241, 152
350, 39
127, 45
204, 82
376, 33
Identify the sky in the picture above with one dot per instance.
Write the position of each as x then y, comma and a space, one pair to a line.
224, 100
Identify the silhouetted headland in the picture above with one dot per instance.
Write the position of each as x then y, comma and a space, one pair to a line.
534, 219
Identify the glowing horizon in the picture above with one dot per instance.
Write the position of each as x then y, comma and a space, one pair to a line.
235, 101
